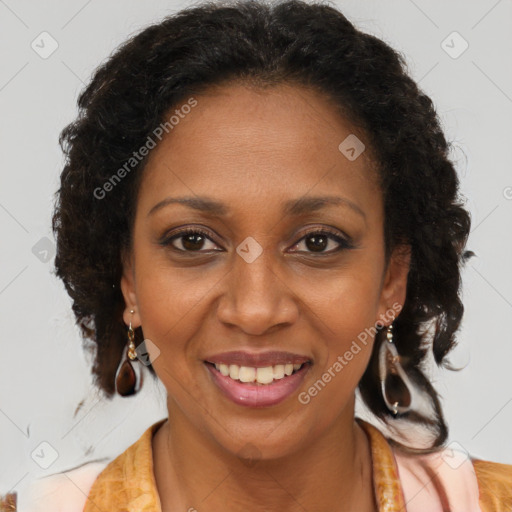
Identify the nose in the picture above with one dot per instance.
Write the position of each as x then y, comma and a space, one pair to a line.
257, 299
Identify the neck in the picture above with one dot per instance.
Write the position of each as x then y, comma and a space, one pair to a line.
194, 473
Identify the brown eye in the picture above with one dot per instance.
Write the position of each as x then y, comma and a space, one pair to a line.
318, 242
193, 241
190, 240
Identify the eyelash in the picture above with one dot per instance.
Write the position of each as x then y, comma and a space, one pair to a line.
344, 244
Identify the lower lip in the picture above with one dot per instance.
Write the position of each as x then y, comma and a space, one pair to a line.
254, 395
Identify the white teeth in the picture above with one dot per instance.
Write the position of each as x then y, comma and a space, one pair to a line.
278, 371
233, 371
264, 375
246, 374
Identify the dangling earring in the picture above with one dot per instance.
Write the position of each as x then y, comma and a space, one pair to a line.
128, 379
423, 426
396, 387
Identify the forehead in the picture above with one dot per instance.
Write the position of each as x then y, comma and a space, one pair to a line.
246, 141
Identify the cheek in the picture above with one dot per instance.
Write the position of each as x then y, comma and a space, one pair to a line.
346, 304
169, 320
342, 363
349, 346
351, 313
346, 313
169, 299
169, 312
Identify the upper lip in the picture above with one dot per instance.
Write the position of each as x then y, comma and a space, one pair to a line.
257, 360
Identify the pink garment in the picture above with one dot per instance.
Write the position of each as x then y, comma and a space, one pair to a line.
441, 482
62, 492
438, 482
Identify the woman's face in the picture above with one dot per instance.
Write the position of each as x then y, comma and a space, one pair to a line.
256, 278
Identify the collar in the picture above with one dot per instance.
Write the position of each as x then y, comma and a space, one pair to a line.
128, 482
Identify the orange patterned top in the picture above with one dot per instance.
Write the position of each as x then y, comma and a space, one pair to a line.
128, 484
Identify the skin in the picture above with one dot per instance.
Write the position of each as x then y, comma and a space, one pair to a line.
253, 149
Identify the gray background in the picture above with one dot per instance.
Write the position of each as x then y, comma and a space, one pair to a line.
45, 373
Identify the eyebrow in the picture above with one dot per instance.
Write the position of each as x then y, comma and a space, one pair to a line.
291, 207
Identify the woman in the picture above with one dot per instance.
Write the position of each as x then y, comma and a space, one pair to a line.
258, 206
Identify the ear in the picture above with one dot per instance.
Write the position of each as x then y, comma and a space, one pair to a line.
129, 291
394, 286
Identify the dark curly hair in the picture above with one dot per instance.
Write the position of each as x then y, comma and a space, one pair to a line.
293, 42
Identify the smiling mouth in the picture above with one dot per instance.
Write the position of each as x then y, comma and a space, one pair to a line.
257, 375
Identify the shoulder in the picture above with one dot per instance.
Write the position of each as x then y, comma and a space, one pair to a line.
456, 480
62, 492
128, 481
495, 484
107, 482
